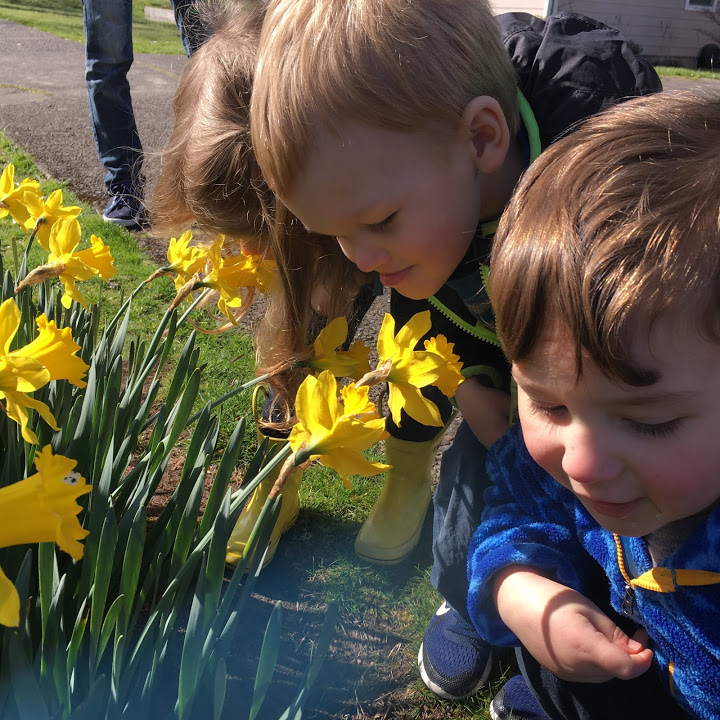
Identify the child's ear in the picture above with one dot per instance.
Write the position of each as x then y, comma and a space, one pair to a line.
484, 125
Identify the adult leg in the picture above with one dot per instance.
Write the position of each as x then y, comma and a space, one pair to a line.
192, 31
108, 57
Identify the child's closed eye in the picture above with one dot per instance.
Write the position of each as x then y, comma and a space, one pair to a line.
383, 224
659, 430
555, 413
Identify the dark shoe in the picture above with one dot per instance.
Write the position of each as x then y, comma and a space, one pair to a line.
515, 701
454, 661
125, 209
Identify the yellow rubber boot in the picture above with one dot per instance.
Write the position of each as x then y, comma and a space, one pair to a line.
248, 517
393, 529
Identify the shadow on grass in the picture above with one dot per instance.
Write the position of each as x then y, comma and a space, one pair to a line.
371, 654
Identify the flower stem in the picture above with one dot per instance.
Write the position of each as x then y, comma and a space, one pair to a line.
16, 259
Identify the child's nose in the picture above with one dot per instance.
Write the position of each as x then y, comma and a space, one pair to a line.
587, 458
366, 256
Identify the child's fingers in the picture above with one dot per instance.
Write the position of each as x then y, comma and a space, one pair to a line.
629, 656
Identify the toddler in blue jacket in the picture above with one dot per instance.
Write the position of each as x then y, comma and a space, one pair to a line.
599, 548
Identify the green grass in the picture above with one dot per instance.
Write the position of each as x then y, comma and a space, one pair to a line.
64, 19
668, 71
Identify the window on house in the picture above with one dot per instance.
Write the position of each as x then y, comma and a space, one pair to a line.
701, 5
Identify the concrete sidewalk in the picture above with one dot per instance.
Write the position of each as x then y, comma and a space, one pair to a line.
44, 105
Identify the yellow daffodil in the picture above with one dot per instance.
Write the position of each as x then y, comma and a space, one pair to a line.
230, 275
41, 508
44, 214
335, 430
14, 200
50, 356
185, 261
407, 370
343, 363
67, 264
450, 376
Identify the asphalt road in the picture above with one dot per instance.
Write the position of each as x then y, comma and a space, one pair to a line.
44, 105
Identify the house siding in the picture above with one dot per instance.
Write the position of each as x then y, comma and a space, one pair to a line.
662, 28
534, 7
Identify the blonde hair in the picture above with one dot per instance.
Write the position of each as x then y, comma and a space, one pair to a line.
616, 223
399, 64
210, 181
209, 176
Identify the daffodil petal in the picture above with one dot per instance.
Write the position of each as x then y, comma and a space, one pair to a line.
337, 364
65, 236
312, 405
331, 337
410, 334
98, 257
420, 408
71, 293
359, 352
357, 400
351, 433
386, 346
9, 324
22, 374
9, 602
16, 407
351, 462
416, 368
7, 180
57, 351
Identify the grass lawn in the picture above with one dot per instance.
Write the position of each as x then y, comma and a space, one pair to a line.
64, 19
667, 71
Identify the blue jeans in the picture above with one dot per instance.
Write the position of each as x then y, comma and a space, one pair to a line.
457, 506
108, 57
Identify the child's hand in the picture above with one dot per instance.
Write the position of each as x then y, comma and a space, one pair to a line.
486, 410
566, 632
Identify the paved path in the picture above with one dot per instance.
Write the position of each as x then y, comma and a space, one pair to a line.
44, 105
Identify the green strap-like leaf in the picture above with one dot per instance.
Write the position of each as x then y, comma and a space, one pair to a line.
268, 660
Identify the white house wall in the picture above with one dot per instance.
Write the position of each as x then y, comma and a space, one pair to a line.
534, 7
662, 28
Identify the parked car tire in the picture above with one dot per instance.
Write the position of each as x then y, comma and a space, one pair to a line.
709, 57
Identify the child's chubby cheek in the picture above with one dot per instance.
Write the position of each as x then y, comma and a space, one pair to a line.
546, 452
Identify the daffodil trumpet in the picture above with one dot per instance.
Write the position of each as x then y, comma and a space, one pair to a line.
41, 508
334, 428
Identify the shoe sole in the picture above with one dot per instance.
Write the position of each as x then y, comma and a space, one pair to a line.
442, 693
124, 223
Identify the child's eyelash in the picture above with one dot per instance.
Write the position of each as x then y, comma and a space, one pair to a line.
547, 412
379, 227
659, 430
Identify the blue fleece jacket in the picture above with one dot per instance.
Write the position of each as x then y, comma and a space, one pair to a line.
530, 519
